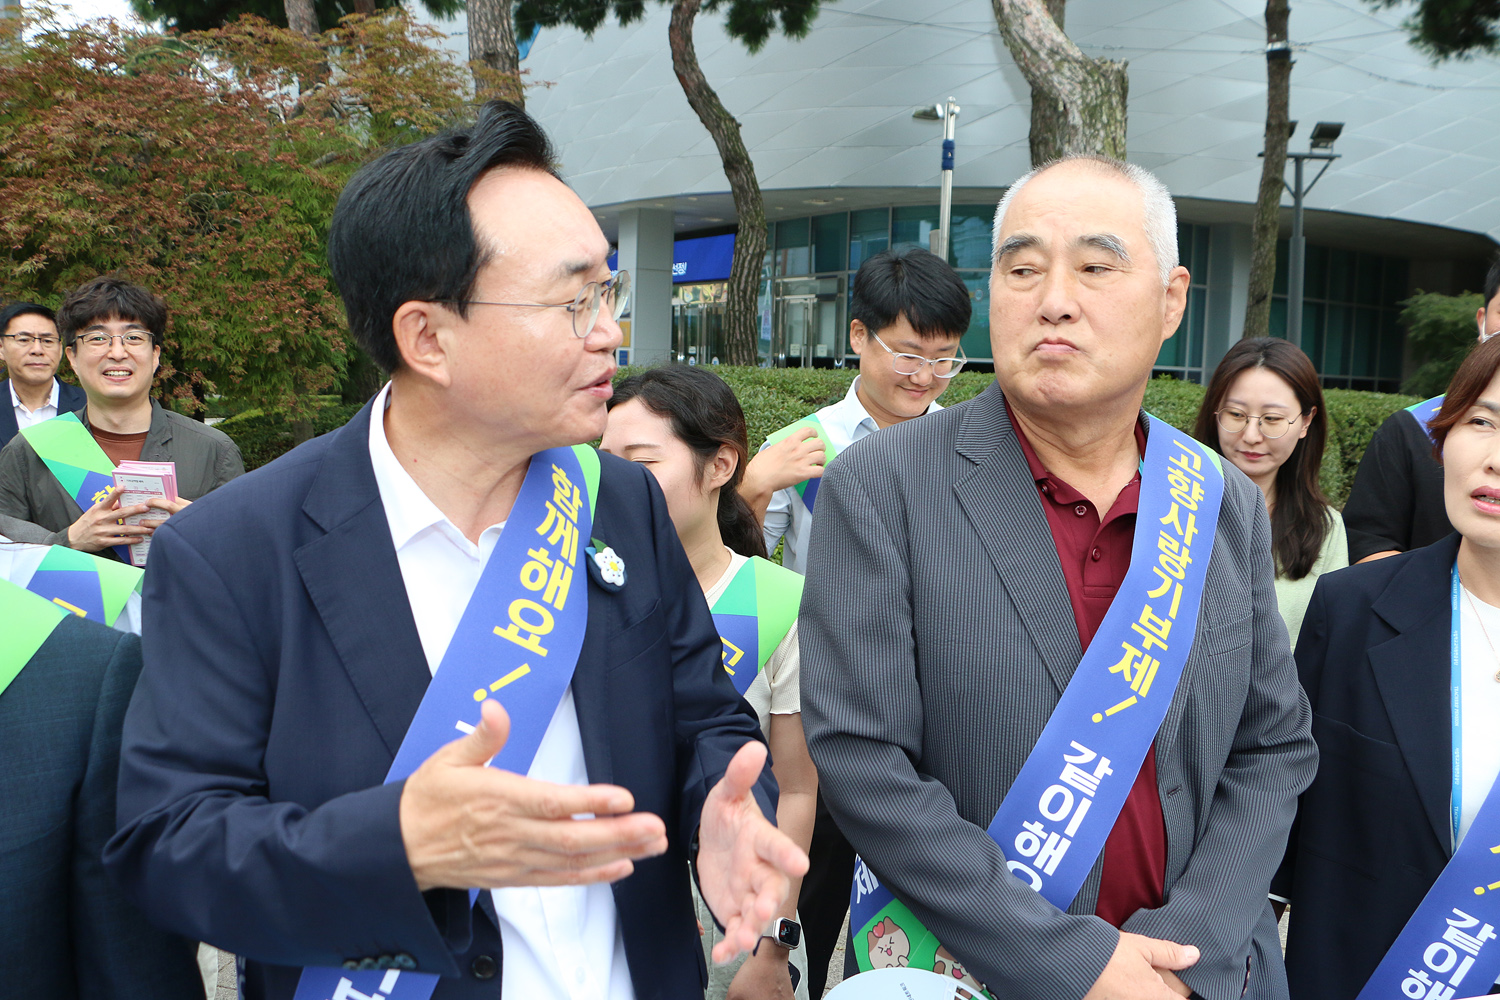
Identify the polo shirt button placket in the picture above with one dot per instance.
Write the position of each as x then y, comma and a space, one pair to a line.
1081, 509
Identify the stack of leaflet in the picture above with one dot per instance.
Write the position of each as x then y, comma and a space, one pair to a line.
137, 482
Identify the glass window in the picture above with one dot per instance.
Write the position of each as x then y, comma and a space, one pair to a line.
1349, 315
793, 253
869, 234
976, 342
912, 225
830, 234
969, 246
1182, 353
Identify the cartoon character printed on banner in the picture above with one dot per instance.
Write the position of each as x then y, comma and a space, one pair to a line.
946, 965
890, 948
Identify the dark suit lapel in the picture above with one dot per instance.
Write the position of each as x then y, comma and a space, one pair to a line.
1000, 500
1412, 674
8, 426
354, 580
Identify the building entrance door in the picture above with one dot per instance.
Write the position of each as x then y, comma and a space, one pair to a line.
809, 322
698, 322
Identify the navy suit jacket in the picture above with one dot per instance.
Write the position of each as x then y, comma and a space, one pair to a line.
1373, 831
283, 668
66, 932
69, 398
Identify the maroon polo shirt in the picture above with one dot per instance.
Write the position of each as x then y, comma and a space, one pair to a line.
1095, 553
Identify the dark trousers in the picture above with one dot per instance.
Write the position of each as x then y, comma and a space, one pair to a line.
825, 897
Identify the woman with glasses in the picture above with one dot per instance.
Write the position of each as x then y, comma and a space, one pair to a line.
1264, 412
685, 425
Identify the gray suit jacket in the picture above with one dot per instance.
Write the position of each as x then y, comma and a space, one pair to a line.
206, 458
937, 637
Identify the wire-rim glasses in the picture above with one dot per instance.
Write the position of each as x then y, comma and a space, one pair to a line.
1272, 425
27, 339
911, 364
586, 305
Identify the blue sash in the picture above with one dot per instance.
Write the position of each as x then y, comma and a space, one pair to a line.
1054, 820
518, 643
1425, 411
1449, 942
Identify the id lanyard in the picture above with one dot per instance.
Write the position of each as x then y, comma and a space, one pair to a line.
1456, 701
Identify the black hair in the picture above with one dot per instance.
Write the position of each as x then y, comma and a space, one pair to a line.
401, 231
108, 297
1492, 281
9, 314
914, 283
1300, 523
705, 416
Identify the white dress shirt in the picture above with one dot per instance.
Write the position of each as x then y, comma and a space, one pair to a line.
845, 422
560, 943
1480, 752
24, 417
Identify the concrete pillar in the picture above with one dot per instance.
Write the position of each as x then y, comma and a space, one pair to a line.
645, 250
1228, 291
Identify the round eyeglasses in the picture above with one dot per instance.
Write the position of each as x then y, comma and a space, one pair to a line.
911, 364
592, 299
1272, 425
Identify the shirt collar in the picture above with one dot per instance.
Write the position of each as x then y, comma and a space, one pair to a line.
408, 510
52, 401
848, 419
1059, 490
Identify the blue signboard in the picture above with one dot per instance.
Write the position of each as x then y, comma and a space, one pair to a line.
706, 258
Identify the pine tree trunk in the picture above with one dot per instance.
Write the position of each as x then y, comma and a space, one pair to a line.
364, 7
493, 57
301, 18
1267, 224
741, 315
1082, 106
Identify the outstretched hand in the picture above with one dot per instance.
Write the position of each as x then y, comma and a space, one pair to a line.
796, 458
745, 864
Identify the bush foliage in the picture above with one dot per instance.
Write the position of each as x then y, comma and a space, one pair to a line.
1441, 332
774, 397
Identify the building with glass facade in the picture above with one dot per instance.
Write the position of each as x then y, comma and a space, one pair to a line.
846, 170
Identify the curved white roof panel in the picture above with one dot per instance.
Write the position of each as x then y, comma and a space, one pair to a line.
1420, 143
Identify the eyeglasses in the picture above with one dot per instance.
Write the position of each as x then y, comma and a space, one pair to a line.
591, 299
1272, 425
132, 339
27, 339
911, 364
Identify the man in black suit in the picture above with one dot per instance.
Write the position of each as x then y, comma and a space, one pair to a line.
66, 932
299, 619
31, 350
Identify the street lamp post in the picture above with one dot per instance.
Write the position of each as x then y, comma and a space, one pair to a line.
1320, 147
948, 114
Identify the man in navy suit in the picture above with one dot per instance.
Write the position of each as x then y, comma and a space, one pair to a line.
294, 619
31, 350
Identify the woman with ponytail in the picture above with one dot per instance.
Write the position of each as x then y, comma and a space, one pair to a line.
1264, 412
685, 425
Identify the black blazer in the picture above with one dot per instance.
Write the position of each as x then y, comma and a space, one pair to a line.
69, 398
66, 932
1373, 830
1397, 498
283, 668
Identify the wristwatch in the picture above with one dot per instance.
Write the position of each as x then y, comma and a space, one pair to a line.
787, 933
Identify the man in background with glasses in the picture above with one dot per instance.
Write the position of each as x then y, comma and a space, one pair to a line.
908, 312
340, 643
31, 350
112, 331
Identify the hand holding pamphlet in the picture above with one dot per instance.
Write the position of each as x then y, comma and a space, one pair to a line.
137, 482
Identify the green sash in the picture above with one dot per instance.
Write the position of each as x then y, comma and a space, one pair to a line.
85, 584
72, 455
26, 621
754, 614
808, 488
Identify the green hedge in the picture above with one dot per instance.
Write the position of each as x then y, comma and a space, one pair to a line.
774, 397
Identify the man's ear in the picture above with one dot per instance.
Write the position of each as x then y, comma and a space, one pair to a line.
1177, 294
858, 336
416, 327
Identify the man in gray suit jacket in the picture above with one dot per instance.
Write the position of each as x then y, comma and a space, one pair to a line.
966, 560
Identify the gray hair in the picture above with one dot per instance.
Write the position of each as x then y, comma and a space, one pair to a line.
1161, 213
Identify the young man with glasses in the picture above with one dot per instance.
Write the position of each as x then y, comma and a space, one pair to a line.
908, 312
31, 350
112, 330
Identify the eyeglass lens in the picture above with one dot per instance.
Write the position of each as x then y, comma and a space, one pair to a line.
1272, 425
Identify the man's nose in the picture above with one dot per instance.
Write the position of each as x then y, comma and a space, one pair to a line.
1059, 296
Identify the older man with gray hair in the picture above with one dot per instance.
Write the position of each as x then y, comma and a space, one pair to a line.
1048, 693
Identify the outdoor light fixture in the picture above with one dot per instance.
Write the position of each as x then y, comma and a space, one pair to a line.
929, 113
1324, 134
